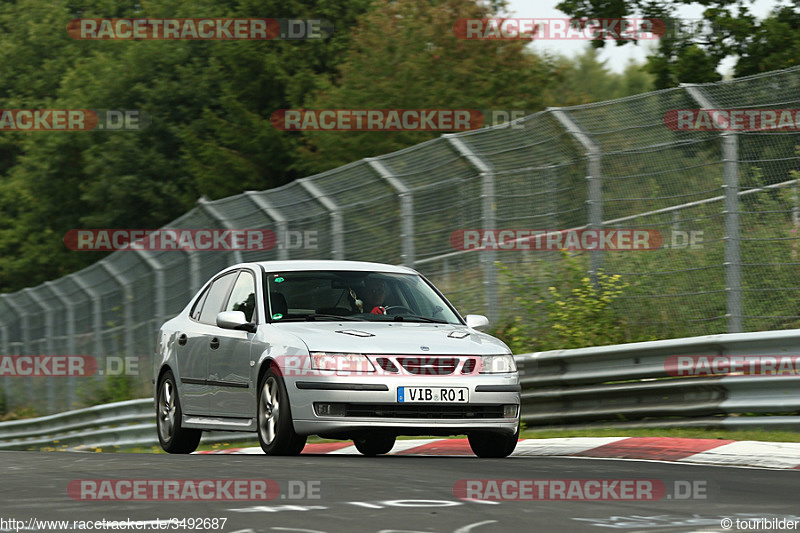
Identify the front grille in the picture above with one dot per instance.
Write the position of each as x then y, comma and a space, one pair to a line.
467, 411
429, 366
386, 364
469, 366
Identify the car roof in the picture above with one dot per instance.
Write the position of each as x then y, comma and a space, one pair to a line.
327, 264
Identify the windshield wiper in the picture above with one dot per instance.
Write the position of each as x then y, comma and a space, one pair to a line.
401, 318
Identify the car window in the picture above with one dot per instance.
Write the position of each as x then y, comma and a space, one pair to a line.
243, 296
198, 305
216, 297
357, 295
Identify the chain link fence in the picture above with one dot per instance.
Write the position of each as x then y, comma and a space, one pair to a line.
604, 165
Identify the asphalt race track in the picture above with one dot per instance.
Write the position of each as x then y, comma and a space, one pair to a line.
395, 493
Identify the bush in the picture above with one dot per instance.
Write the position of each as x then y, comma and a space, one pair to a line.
568, 311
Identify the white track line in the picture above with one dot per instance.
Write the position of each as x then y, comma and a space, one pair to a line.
751, 453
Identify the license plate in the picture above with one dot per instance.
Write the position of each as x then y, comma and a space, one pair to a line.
432, 394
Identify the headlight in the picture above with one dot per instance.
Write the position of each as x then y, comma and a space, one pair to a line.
341, 362
498, 364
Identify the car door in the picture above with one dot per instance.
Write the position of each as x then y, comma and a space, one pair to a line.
232, 392
193, 345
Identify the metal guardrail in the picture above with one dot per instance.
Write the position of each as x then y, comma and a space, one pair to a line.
123, 424
624, 385
628, 385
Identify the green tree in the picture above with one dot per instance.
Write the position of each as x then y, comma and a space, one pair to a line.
587, 79
404, 55
210, 104
691, 53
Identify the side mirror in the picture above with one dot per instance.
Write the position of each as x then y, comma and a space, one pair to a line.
476, 321
234, 320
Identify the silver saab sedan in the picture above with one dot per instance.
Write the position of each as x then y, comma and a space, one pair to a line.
339, 349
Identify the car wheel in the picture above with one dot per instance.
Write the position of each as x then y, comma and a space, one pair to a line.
374, 444
486, 444
275, 431
171, 435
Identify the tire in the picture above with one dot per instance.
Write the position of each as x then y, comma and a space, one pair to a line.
374, 444
492, 445
274, 416
173, 437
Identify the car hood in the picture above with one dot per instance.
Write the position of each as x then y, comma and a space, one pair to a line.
393, 338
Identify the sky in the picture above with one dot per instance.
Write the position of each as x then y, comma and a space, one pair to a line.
617, 57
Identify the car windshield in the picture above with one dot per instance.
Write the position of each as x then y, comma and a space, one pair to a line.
354, 295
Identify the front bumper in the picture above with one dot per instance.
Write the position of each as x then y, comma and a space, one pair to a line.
377, 397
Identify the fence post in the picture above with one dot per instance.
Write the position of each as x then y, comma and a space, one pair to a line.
160, 288
211, 211
127, 305
69, 305
337, 223
795, 220
49, 334
280, 221
6, 353
97, 312
730, 190
594, 155
488, 213
194, 271
406, 209
24, 328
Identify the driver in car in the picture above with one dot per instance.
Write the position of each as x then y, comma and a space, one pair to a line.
374, 294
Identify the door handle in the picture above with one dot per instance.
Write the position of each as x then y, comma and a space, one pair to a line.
182, 339
214, 343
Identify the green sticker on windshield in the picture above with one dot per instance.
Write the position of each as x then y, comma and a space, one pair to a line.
277, 316
278, 280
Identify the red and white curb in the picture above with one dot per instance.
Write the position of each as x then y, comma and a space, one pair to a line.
704, 451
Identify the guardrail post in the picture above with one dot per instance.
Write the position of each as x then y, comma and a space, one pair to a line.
488, 208
281, 223
337, 222
594, 178
730, 189
406, 209
49, 334
211, 211
69, 305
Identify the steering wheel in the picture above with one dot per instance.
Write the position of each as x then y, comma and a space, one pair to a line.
398, 309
